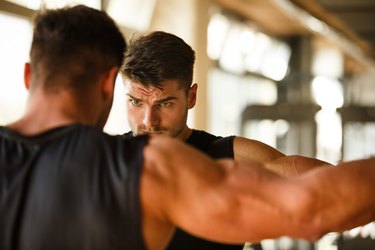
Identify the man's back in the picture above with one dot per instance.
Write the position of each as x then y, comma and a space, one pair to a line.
68, 188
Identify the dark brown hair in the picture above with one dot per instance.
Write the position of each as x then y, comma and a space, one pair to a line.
77, 44
156, 57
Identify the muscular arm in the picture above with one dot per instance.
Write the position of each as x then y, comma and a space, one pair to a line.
246, 150
229, 202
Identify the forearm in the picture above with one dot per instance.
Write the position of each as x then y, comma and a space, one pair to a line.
291, 166
324, 200
247, 151
350, 201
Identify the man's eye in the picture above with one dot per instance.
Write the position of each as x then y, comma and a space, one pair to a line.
165, 104
135, 102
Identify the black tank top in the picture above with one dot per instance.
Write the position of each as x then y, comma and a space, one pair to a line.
72, 187
217, 147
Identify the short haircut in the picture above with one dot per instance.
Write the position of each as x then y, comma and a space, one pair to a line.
156, 57
76, 44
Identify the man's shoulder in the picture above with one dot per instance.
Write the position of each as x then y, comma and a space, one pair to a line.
202, 134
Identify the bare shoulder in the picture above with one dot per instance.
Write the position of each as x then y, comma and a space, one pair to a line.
167, 152
168, 155
248, 149
160, 144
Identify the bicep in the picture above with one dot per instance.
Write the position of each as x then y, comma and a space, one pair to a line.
247, 150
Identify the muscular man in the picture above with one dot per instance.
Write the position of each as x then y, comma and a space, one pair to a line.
64, 184
158, 74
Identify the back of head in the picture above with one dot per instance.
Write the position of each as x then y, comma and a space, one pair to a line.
156, 57
73, 46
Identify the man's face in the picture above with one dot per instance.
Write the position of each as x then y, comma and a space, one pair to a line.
153, 110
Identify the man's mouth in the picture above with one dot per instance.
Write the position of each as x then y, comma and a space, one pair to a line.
151, 132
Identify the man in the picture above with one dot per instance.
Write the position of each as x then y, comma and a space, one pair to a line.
158, 73
64, 184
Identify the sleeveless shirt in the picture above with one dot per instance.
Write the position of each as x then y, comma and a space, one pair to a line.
216, 147
73, 187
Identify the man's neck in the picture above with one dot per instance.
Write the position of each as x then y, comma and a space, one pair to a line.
46, 113
185, 134
31, 124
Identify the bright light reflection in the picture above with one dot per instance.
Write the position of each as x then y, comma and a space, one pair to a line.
36, 4
241, 49
328, 93
117, 122
133, 14
62, 3
282, 127
32, 4
247, 41
231, 58
277, 70
316, 25
275, 63
253, 60
14, 47
216, 33
329, 135
328, 62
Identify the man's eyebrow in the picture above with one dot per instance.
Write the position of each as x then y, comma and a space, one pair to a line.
166, 99
132, 97
169, 98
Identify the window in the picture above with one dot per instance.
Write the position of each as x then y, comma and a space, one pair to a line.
14, 48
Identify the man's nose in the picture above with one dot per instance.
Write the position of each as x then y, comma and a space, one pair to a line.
151, 117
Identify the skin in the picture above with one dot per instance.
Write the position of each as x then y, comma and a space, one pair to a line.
305, 207
164, 111
44, 108
152, 110
237, 202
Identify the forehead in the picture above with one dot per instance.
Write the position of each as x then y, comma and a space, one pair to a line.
169, 88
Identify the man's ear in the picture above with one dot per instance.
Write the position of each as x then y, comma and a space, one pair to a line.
27, 75
192, 96
108, 83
